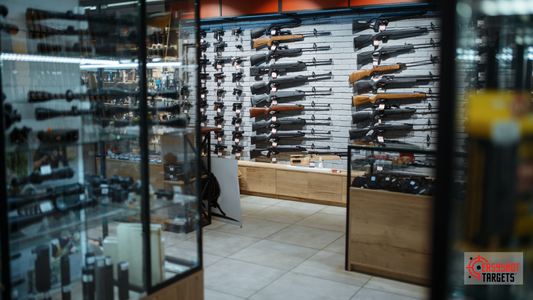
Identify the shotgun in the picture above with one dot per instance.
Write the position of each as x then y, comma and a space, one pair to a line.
357, 75
383, 97
260, 42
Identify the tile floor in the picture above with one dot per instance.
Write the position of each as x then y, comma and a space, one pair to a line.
289, 250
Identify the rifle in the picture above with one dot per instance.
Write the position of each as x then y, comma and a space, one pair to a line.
127, 20
366, 57
393, 82
366, 39
265, 124
259, 42
50, 194
10, 115
280, 149
279, 83
176, 123
256, 111
99, 94
274, 137
99, 110
384, 19
282, 51
301, 159
380, 128
361, 116
357, 75
277, 69
37, 178
267, 99
381, 98
68, 31
275, 28
236, 77
219, 149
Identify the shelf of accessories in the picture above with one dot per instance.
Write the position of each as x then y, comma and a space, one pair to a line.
279, 181
88, 217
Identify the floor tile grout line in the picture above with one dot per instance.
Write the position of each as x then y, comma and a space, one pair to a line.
342, 236
392, 292
222, 293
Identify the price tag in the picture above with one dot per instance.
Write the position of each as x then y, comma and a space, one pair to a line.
46, 206
274, 89
273, 130
480, 23
219, 139
379, 121
379, 168
46, 170
381, 106
237, 67
381, 90
237, 125
202, 96
219, 125
237, 154
274, 118
478, 58
219, 111
273, 48
274, 160
479, 41
201, 40
202, 81
219, 153
375, 63
382, 27
238, 111
219, 66
202, 109
376, 43
105, 191
274, 75
311, 164
185, 111
273, 32
171, 176
236, 140
274, 144
381, 139
219, 81
274, 102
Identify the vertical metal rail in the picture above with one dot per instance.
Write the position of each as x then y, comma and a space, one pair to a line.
198, 133
143, 143
447, 103
348, 184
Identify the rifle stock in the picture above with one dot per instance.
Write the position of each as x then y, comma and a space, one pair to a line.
361, 99
256, 111
256, 43
357, 75
364, 144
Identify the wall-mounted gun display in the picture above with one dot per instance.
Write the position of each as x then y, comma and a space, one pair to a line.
383, 20
283, 51
256, 111
266, 124
358, 75
286, 82
276, 69
274, 137
384, 110
286, 95
267, 152
377, 129
386, 52
394, 82
260, 42
364, 40
383, 97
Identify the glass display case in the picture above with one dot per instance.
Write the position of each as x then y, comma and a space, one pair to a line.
390, 195
100, 144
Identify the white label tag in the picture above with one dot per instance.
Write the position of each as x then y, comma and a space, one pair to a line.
273, 48
46, 206
379, 168
375, 63
379, 121
105, 191
219, 139
219, 153
274, 118
171, 176
219, 81
274, 144
238, 111
273, 32
381, 139
219, 125
219, 111
376, 43
171, 168
202, 96
479, 41
274, 75
274, 102
480, 23
219, 66
236, 140
382, 27
202, 81
274, 159
381, 90
201, 40
185, 111
201, 109
237, 125
237, 154
273, 130
381, 106
274, 89
46, 170
237, 67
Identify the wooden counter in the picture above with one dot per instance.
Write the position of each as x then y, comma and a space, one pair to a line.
278, 181
389, 234
189, 288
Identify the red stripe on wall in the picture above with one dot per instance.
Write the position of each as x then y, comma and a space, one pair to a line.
292, 5
379, 2
209, 8
249, 7
182, 9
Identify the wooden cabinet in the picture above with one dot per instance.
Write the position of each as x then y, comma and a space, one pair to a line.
292, 184
325, 187
261, 180
389, 234
189, 288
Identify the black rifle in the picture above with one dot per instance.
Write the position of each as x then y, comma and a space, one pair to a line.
361, 116
393, 82
58, 136
376, 129
237, 91
128, 20
298, 95
219, 148
280, 83
280, 149
162, 193
99, 94
367, 57
362, 24
99, 111
236, 120
49, 194
274, 137
265, 124
175, 123
236, 77
10, 115
283, 51
67, 31
283, 68
37, 178
276, 27
221, 60
237, 148
366, 39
